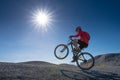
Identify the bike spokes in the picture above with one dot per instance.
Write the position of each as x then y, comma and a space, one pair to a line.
89, 64
81, 58
85, 61
61, 51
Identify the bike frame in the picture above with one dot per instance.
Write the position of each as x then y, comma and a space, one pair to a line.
71, 44
77, 55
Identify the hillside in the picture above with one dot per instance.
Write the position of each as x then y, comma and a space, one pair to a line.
39, 70
112, 59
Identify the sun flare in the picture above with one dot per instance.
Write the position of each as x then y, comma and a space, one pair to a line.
42, 19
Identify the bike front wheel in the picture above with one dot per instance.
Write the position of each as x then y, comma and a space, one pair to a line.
61, 51
85, 61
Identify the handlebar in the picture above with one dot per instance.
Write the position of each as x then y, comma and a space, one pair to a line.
71, 39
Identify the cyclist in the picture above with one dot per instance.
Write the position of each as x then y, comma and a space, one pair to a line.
83, 41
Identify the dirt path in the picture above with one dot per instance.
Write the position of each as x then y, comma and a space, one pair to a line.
89, 75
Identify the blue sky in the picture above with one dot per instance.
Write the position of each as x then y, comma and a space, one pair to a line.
21, 41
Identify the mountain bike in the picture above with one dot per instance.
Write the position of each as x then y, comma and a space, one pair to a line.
84, 60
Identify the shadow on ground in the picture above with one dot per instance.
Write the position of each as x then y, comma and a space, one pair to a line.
89, 75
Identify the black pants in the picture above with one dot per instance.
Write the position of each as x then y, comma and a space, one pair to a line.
82, 44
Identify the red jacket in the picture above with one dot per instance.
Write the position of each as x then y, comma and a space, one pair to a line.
83, 36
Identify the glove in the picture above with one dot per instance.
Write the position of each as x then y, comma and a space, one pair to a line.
70, 36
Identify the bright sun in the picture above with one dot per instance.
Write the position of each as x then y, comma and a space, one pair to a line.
42, 19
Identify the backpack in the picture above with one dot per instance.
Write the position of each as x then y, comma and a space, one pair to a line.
87, 35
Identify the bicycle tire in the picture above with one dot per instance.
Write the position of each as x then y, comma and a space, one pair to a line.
90, 65
55, 51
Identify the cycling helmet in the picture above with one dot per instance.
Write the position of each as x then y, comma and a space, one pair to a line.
78, 28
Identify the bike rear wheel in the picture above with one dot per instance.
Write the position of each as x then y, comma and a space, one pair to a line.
61, 51
85, 61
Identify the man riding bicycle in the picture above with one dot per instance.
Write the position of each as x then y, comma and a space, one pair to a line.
83, 41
